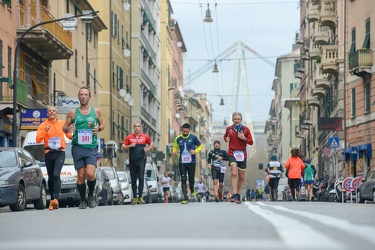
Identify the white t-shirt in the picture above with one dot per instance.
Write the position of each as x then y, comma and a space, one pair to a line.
166, 181
200, 187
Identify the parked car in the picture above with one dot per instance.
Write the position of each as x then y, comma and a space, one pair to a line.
69, 195
177, 194
21, 180
151, 176
105, 193
126, 186
366, 191
118, 197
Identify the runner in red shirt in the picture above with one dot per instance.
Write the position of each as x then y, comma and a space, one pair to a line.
238, 136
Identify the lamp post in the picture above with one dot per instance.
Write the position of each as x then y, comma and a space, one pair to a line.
19, 40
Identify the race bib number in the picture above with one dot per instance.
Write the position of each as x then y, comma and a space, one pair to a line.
239, 155
84, 136
223, 169
186, 157
54, 143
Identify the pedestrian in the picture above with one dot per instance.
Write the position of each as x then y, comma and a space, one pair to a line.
274, 170
207, 195
238, 136
260, 194
188, 146
216, 158
294, 168
248, 194
252, 195
166, 181
51, 133
85, 123
267, 192
138, 144
309, 177
200, 188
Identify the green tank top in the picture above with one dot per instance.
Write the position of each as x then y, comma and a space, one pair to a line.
84, 125
309, 173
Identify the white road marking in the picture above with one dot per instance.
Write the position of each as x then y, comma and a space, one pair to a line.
295, 234
361, 231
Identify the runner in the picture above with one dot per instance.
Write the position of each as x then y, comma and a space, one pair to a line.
274, 170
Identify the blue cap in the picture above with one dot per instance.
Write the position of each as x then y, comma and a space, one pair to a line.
308, 161
273, 158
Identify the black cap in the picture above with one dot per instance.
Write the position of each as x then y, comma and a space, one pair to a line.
216, 142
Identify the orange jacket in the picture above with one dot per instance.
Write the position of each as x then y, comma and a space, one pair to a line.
295, 167
55, 130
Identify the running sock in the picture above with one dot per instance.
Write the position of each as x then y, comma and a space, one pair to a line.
82, 191
91, 185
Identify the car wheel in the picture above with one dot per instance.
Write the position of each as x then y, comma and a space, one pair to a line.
20, 204
373, 196
359, 198
41, 203
110, 202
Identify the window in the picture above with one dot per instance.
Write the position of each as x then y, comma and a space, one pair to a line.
113, 73
352, 47
76, 63
9, 61
67, 64
67, 6
95, 81
353, 111
367, 96
89, 31
366, 43
114, 24
88, 76
1, 58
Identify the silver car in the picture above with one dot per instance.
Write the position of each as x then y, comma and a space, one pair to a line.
118, 197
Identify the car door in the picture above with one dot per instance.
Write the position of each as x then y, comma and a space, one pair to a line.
28, 174
367, 189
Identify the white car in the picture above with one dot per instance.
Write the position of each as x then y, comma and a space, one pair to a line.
126, 186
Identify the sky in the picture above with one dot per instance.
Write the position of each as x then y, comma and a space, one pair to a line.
266, 26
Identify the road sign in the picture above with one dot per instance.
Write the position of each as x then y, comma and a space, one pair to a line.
326, 152
333, 142
347, 184
356, 182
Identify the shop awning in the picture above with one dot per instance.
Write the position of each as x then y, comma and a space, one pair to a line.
367, 148
350, 152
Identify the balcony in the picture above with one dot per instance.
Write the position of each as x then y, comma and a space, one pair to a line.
320, 79
50, 40
330, 59
314, 50
313, 102
321, 36
328, 13
6, 94
360, 62
148, 117
318, 92
313, 13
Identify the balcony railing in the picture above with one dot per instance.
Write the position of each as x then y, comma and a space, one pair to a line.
50, 40
329, 59
360, 61
321, 36
147, 116
328, 13
313, 12
6, 93
321, 79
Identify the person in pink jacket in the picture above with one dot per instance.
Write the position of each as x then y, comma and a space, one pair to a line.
294, 168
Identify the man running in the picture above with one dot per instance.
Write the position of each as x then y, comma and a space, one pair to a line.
238, 136
274, 170
215, 159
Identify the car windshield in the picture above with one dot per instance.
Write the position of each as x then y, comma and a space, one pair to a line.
150, 175
121, 176
38, 152
8, 159
110, 173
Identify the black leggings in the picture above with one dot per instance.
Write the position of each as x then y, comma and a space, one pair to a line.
54, 163
137, 171
294, 186
189, 169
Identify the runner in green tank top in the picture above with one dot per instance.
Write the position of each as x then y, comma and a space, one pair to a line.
85, 122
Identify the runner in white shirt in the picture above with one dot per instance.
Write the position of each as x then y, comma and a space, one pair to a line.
166, 185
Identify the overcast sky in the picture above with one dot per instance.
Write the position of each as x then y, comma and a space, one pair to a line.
266, 26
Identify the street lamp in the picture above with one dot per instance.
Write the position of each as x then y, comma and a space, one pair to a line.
19, 40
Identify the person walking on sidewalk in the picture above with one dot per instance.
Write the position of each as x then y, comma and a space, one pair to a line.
188, 146
294, 168
51, 133
238, 136
138, 144
309, 177
85, 123
216, 158
274, 170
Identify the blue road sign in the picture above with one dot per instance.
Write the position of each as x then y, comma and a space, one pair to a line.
333, 142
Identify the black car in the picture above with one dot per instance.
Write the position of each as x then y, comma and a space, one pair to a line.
21, 180
104, 193
366, 191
